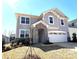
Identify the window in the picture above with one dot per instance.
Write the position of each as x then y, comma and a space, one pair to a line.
55, 33
51, 19
24, 33
27, 20
60, 33
50, 33
24, 20
62, 22
27, 34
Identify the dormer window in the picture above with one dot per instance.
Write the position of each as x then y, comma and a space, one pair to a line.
51, 19
62, 22
24, 20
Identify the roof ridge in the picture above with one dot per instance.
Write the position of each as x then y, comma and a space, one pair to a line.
27, 14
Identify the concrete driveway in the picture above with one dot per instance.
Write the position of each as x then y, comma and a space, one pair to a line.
66, 44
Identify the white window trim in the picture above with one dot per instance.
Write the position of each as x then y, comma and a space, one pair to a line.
25, 17
60, 22
24, 30
44, 14
49, 19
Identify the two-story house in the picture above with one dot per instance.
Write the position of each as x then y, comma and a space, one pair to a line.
51, 25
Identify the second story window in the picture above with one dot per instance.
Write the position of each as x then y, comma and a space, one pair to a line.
27, 20
51, 19
62, 22
24, 20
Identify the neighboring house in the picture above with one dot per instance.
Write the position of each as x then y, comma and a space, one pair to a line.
51, 25
5, 39
12, 37
73, 23
72, 27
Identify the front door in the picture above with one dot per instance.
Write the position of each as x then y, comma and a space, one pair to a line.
41, 35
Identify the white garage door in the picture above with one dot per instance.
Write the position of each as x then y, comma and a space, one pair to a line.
57, 36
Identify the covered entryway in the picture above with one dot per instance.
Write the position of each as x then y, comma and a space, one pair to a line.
57, 36
40, 34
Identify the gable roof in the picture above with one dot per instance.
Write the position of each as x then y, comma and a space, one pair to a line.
73, 21
40, 22
59, 12
56, 11
21, 14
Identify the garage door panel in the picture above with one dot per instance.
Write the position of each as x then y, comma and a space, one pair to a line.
57, 37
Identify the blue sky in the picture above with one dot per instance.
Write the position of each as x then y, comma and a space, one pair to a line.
34, 7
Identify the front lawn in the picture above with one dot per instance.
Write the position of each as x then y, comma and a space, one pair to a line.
20, 52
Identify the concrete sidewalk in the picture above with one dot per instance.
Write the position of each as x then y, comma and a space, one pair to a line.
66, 44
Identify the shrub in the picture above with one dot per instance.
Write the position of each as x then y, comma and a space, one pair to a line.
15, 45
12, 38
7, 48
20, 44
3, 48
24, 41
3, 42
74, 37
